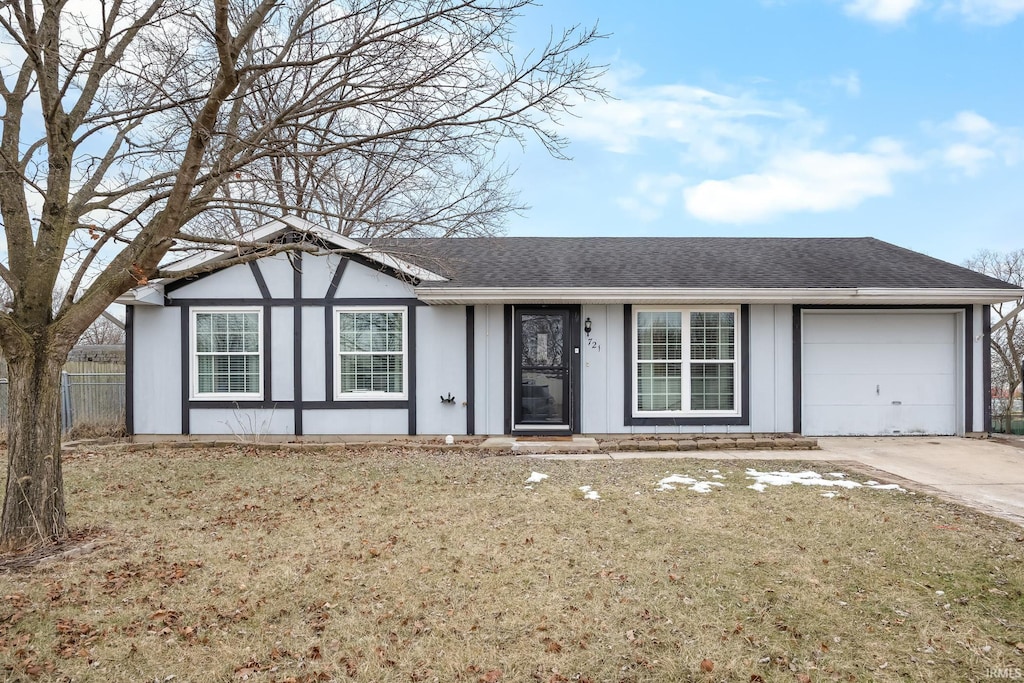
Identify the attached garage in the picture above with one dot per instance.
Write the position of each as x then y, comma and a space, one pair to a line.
882, 373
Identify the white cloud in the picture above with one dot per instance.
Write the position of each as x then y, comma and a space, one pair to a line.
968, 158
801, 181
987, 11
972, 124
712, 128
849, 82
971, 142
882, 11
651, 195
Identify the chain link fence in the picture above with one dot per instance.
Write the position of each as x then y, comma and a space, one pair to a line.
91, 402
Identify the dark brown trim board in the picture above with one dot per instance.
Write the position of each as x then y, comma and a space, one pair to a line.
986, 366
129, 370
507, 354
470, 370
297, 394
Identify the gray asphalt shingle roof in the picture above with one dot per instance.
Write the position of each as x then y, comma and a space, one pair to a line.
685, 262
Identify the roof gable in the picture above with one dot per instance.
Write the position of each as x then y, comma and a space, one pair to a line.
284, 225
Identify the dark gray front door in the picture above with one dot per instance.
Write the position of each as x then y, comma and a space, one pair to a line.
543, 370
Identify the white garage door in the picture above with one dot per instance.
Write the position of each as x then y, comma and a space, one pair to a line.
879, 373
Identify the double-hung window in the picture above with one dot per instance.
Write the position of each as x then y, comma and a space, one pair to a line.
370, 352
227, 353
685, 361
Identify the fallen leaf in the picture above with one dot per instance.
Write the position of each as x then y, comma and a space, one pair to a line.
707, 665
492, 676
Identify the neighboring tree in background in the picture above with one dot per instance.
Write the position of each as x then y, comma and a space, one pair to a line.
1008, 337
106, 330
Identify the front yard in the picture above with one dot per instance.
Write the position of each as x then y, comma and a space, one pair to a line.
382, 565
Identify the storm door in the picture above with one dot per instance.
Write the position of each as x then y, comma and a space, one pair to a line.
544, 357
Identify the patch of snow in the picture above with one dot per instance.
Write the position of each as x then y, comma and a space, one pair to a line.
809, 478
712, 471
528, 487
829, 494
885, 487
717, 476
589, 493
536, 478
667, 484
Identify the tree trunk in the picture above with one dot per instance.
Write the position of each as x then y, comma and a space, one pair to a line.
34, 505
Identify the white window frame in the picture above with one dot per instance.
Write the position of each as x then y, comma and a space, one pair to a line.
371, 395
194, 392
686, 362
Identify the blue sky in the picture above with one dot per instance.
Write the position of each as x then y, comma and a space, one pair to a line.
897, 119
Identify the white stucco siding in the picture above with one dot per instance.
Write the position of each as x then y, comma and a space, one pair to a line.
783, 376
762, 375
440, 369
317, 272
315, 386
355, 421
978, 351
358, 281
282, 341
156, 381
594, 368
242, 423
489, 371
236, 282
881, 373
279, 275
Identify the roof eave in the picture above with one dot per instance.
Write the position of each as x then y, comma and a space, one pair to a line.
658, 295
151, 294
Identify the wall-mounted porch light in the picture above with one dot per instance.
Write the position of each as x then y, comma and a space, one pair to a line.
587, 326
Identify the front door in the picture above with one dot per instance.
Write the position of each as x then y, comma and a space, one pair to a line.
545, 354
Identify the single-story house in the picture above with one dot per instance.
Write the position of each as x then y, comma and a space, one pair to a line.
558, 336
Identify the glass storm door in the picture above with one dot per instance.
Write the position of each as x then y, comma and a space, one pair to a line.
543, 369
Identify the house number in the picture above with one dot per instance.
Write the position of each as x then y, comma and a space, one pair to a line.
592, 343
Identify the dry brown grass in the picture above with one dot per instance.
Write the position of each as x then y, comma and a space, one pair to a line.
226, 565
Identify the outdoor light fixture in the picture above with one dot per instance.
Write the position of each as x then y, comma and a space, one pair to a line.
587, 326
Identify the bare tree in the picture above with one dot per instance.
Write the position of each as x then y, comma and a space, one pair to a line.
134, 127
104, 330
1008, 329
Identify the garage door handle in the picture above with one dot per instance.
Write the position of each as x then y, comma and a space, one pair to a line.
878, 390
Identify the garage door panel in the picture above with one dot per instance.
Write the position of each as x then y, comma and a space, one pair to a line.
875, 328
883, 359
880, 373
854, 390
890, 420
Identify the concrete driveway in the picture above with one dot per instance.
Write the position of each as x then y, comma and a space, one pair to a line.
981, 473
